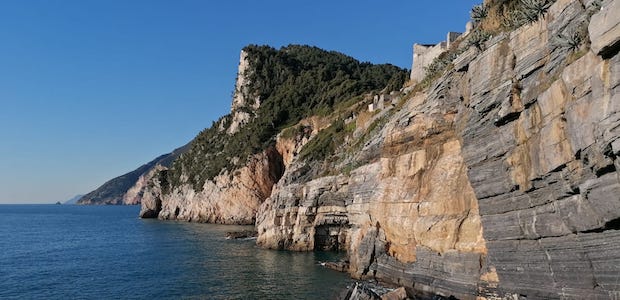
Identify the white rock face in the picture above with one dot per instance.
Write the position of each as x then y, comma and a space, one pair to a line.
150, 188
135, 193
605, 28
227, 199
242, 99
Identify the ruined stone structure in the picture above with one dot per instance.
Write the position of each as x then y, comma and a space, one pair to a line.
423, 55
383, 100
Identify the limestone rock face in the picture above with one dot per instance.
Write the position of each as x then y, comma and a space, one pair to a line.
605, 29
227, 199
538, 134
390, 215
243, 102
150, 192
135, 193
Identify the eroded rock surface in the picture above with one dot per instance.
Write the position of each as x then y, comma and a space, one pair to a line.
227, 199
502, 180
392, 218
542, 162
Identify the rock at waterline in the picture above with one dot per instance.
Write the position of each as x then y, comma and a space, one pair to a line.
374, 291
233, 235
340, 266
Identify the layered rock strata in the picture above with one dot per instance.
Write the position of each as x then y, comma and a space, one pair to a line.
501, 181
397, 224
542, 159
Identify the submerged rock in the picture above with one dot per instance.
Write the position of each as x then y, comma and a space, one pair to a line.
360, 292
340, 266
241, 234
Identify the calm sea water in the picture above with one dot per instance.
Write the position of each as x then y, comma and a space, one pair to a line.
106, 252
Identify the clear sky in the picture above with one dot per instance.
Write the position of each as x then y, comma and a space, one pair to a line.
92, 89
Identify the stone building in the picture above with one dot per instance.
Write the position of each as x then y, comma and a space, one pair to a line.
382, 101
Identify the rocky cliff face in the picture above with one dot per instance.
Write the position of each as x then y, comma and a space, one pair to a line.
244, 103
232, 166
227, 199
542, 159
406, 217
501, 181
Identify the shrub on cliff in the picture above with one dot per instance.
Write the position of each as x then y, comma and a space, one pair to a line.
506, 15
478, 13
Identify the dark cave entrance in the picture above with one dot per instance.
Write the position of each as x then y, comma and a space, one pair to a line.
330, 237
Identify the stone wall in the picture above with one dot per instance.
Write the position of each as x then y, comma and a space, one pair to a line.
423, 55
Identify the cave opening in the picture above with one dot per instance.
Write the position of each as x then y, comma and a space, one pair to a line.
330, 237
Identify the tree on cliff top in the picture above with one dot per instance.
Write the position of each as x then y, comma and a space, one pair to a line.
293, 83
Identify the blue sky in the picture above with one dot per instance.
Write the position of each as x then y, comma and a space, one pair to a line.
92, 89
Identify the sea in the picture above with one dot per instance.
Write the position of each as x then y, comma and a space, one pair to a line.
107, 252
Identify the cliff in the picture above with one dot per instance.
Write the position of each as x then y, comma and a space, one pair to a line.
499, 180
494, 177
231, 167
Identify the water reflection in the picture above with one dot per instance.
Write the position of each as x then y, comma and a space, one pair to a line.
209, 266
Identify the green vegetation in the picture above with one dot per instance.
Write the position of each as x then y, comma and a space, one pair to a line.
477, 39
293, 83
507, 15
478, 13
529, 11
294, 131
576, 35
572, 38
325, 143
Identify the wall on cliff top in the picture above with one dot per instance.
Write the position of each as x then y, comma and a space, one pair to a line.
500, 181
